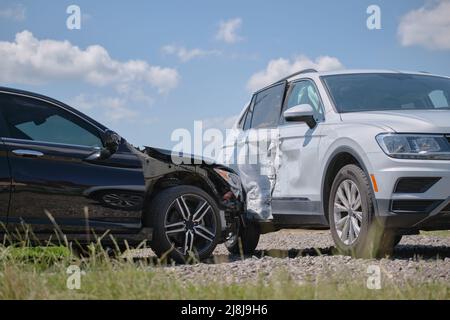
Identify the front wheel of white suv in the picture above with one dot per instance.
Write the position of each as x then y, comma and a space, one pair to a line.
354, 229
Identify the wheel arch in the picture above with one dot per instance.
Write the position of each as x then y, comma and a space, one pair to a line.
339, 158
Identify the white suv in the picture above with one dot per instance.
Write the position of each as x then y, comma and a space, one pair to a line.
364, 153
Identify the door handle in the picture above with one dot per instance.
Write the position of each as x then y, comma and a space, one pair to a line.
28, 153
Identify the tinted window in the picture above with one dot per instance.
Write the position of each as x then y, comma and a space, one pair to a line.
385, 91
248, 115
248, 118
31, 119
304, 92
266, 110
242, 120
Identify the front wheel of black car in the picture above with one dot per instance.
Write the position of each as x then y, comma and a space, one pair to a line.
186, 224
354, 229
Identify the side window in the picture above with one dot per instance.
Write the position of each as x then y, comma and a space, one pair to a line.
249, 114
304, 92
242, 120
266, 110
32, 119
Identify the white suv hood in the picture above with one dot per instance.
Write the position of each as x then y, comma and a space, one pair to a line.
406, 121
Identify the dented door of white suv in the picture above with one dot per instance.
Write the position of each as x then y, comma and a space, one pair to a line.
296, 189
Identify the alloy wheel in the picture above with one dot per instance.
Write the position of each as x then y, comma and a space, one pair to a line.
348, 212
190, 224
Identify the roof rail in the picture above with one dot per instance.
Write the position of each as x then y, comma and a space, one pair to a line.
286, 78
297, 73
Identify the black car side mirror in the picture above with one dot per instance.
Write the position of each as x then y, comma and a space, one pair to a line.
111, 141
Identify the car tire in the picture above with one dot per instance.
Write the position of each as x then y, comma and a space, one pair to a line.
245, 241
397, 239
354, 227
186, 224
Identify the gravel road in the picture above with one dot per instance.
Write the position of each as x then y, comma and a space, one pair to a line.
420, 258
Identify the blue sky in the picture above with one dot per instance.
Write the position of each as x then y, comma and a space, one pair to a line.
193, 60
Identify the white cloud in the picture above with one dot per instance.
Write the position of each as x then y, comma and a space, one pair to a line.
135, 94
29, 60
16, 12
114, 108
428, 26
187, 54
279, 68
228, 30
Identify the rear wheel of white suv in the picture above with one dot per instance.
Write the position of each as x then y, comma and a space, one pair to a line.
245, 240
354, 229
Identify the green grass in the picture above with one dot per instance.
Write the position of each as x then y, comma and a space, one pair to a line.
442, 233
40, 273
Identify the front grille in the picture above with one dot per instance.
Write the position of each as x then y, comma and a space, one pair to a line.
415, 185
414, 206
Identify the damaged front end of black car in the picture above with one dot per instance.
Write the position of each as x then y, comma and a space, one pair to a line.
191, 204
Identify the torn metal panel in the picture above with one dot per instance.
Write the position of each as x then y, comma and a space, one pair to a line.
151, 167
163, 169
257, 162
258, 190
288, 177
297, 177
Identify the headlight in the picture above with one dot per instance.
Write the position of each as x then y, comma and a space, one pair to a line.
232, 179
408, 146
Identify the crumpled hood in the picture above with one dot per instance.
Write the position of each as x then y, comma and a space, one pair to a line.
185, 160
407, 121
166, 155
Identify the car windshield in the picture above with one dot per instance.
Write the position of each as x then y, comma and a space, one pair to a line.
388, 91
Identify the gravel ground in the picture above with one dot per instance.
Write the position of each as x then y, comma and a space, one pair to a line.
420, 258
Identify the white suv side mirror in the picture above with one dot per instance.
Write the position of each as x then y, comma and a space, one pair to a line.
301, 113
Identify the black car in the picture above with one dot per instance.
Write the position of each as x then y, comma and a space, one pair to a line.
64, 174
